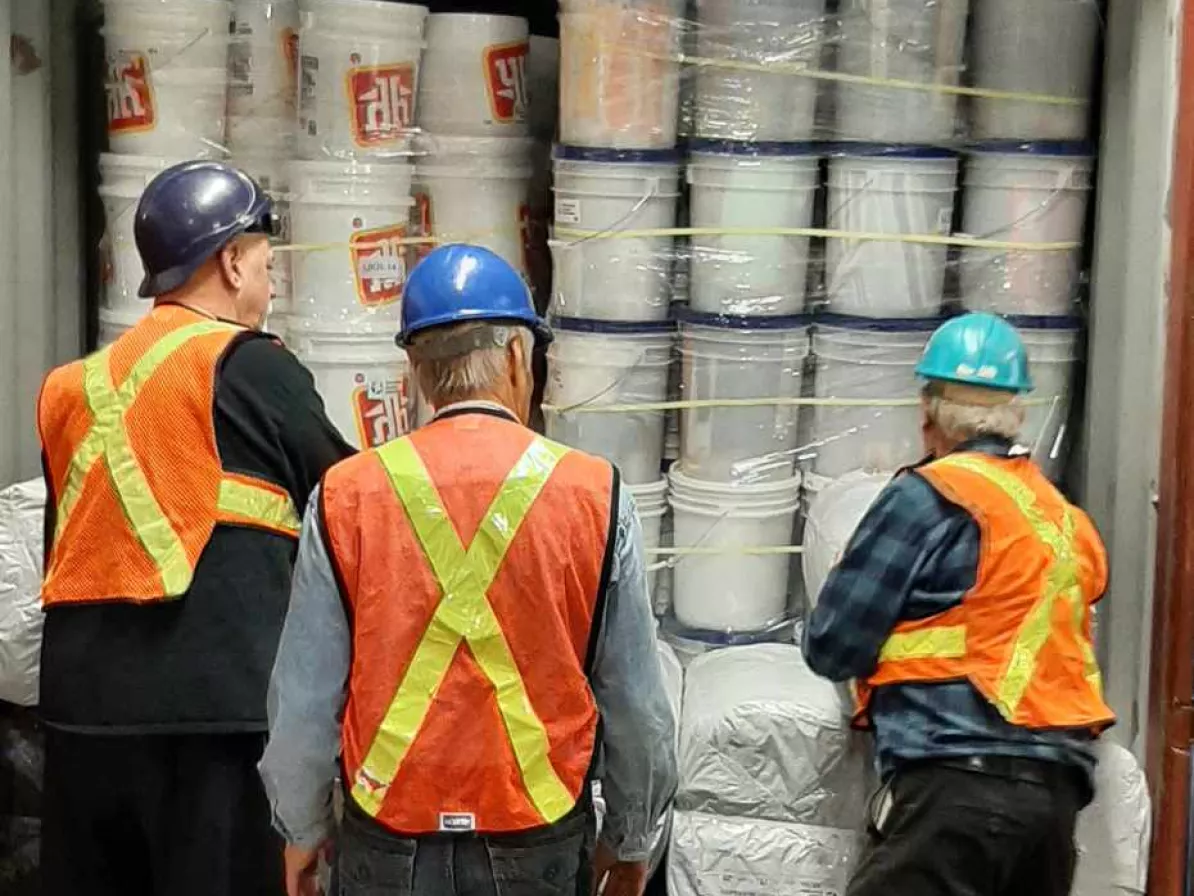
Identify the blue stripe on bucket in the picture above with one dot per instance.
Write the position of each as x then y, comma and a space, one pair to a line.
880, 324
626, 156
625, 327
742, 321
1041, 322
888, 150
1035, 148
747, 148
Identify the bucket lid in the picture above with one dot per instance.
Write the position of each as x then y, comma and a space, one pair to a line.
344, 167
1040, 322
879, 324
1068, 148
742, 321
888, 151
623, 327
748, 148
616, 156
649, 490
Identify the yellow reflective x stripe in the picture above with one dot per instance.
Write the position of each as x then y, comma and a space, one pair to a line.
1061, 581
942, 642
107, 439
258, 504
464, 615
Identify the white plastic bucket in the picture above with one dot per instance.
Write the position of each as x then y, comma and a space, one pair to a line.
273, 175
878, 363
899, 40
729, 590
898, 190
166, 111
350, 218
708, 493
1032, 193
651, 500
358, 77
750, 185
363, 383
599, 191
543, 86
1054, 349
474, 77
741, 358
180, 34
263, 78
475, 190
745, 104
122, 181
1043, 47
834, 510
593, 363
619, 73
115, 323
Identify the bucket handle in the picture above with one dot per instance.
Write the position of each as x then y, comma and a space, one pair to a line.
653, 189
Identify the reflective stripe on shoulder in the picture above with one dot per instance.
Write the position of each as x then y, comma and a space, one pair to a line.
465, 615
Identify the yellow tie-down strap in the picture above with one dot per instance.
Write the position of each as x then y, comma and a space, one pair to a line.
245, 502
107, 441
465, 615
1061, 582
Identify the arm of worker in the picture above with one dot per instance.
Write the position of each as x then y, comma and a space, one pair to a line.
306, 695
864, 595
271, 420
638, 725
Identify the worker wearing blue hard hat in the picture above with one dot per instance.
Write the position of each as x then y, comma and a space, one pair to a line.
178, 461
961, 609
469, 638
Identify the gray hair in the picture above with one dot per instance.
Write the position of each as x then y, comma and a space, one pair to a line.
462, 361
961, 421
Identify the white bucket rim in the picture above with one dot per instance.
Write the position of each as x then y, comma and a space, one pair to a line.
345, 168
474, 16
736, 511
677, 477
429, 145
119, 318
649, 489
383, 8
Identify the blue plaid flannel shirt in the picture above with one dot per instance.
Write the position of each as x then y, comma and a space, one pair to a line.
915, 555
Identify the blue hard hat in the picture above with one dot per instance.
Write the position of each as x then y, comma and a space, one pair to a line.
977, 349
457, 283
188, 213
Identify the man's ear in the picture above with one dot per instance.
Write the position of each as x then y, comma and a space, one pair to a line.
231, 258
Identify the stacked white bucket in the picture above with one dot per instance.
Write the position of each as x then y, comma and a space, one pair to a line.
350, 188
615, 172
165, 86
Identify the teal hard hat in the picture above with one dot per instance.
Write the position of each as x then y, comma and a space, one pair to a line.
977, 349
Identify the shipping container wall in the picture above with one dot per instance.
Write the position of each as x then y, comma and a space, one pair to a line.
41, 263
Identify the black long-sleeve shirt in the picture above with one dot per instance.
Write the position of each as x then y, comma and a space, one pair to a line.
202, 663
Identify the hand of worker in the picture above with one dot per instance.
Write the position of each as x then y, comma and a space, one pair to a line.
619, 878
302, 868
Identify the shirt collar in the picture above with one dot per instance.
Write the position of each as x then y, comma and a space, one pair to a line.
996, 446
481, 407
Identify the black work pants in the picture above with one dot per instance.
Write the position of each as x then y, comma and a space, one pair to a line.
983, 827
552, 861
162, 815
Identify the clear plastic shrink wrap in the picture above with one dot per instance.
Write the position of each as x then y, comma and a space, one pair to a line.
22, 511
1114, 830
762, 737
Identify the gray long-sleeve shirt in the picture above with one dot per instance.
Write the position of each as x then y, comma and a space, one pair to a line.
307, 694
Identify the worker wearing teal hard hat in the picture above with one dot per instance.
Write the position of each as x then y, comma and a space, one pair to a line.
961, 608
469, 633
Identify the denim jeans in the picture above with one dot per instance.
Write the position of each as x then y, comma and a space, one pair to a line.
551, 861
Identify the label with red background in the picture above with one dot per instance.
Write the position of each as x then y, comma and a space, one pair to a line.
378, 264
131, 105
380, 408
382, 102
505, 68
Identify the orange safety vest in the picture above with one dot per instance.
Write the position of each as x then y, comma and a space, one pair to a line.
1022, 634
472, 556
130, 447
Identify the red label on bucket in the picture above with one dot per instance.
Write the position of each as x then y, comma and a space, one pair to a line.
290, 52
423, 223
380, 411
382, 102
505, 77
379, 264
130, 94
